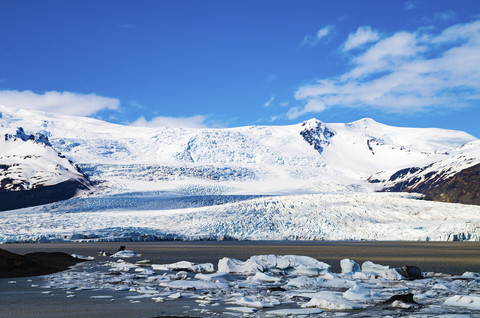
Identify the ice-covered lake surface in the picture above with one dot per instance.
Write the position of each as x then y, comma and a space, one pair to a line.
128, 284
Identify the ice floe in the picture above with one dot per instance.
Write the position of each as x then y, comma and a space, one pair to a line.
273, 285
467, 301
300, 265
125, 254
185, 266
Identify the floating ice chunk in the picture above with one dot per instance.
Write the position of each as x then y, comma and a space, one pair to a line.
185, 266
471, 275
248, 302
392, 274
331, 301
338, 283
470, 302
193, 284
122, 267
440, 286
401, 304
214, 276
295, 312
145, 290
349, 267
145, 271
175, 296
261, 277
236, 266
302, 282
363, 276
86, 258
369, 267
245, 310
361, 293
125, 254
102, 297
299, 265
328, 276
158, 299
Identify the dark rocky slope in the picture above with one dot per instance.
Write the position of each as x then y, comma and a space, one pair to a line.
10, 200
463, 187
34, 264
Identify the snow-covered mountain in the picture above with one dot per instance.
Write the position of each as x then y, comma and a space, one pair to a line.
303, 181
32, 172
453, 179
309, 157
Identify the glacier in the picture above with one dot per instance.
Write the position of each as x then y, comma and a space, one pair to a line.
307, 181
354, 216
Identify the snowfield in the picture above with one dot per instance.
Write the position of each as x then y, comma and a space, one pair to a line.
354, 216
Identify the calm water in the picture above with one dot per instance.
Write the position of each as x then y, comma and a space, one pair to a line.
444, 257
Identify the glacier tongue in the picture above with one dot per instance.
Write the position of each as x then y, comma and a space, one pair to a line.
355, 216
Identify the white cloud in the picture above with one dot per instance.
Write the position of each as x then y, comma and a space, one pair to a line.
321, 34
387, 53
58, 102
404, 72
445, 15
363, 35
269, 102
197, 121
411, 4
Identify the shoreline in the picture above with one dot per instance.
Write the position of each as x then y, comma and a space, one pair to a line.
438, 256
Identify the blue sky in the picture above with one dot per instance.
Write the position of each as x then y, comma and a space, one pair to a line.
230, 63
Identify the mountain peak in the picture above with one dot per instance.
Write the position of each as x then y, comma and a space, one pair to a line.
316, 133
22, 135
363, 123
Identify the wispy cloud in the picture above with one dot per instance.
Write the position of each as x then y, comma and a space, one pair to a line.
269, 102
403, 72
411, 4
197, 121
439, 17
67, 103
363, 35
313, 40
